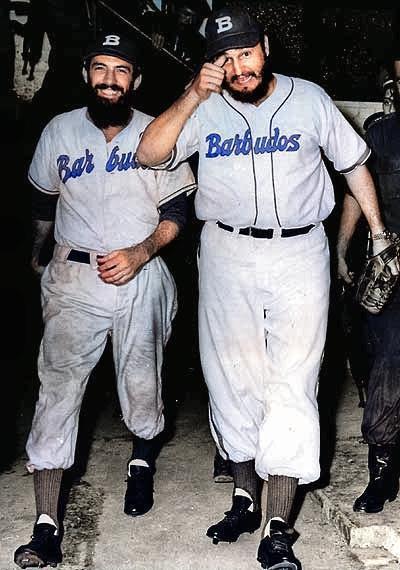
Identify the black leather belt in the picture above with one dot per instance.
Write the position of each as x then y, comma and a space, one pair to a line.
79, 256
267, 233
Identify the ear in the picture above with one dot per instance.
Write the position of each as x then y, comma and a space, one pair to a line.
266, 45
137, 82
85, 74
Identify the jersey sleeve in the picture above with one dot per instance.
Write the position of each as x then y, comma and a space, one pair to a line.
43, 171
186, 146
173, 182
341, 143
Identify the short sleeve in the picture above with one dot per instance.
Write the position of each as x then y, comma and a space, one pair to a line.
173, 182
43, 170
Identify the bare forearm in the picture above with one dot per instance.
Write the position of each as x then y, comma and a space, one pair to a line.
351, 214
165, 232
161, 135
362, 187
120, 266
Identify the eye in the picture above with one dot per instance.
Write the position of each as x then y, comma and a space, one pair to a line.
247, 53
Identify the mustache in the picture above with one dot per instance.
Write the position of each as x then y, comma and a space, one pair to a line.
112, 86
250, 74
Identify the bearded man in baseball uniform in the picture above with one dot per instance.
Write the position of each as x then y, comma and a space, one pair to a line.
263, 192
112, 218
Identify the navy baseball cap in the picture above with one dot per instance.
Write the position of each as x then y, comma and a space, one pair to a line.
114, 44
230, 28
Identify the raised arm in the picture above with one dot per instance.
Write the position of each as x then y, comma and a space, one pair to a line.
161, 135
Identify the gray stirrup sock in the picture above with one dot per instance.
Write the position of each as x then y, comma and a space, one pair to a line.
280, 497
245, 477
47, 485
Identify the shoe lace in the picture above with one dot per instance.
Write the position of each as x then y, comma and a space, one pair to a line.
41, 536
231, 517
234, 514
280, 543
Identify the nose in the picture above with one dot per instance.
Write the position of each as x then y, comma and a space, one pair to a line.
109, 76
237, 68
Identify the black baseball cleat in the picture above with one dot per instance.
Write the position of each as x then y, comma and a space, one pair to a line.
275, 551
139, 491
43, 550
222, 469
236, 521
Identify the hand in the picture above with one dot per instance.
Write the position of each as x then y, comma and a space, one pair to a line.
210, 79
120, 266
343, 271
38, 269
378, 245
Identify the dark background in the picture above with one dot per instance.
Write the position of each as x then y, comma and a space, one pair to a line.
342, 46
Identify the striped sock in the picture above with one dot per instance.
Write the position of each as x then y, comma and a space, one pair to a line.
47, 485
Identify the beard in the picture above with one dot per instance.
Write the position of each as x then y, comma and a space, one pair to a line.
258, 92
105, 113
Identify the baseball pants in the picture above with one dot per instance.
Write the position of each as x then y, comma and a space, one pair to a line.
79, 310
263, 309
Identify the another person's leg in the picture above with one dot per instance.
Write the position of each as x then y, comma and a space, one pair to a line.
380, 419
222, 468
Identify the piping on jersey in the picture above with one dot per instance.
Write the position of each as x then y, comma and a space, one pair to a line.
252, 158
271, 155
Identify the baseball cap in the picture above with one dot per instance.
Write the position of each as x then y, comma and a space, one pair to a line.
230, 28
114, 44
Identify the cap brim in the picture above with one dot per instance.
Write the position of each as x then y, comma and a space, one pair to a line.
233, 41
113, 53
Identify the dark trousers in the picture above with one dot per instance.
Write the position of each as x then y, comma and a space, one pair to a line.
381, 419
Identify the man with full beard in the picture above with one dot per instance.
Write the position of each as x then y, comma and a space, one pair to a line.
263, 194
112, 218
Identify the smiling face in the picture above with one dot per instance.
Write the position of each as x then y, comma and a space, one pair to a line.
111, 81
247, 73
110, 76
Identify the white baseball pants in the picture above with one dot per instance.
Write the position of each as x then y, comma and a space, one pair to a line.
263, 308
79, 310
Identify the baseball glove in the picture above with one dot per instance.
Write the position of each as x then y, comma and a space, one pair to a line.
376, 282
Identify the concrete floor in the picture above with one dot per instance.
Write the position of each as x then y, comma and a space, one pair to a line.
98, 536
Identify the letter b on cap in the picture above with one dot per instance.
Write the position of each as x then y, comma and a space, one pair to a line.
224, 24
111, 41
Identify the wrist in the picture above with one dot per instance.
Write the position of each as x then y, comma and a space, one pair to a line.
382, 234
149, 248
